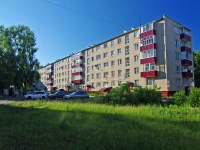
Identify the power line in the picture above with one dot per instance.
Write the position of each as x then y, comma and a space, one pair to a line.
82, 13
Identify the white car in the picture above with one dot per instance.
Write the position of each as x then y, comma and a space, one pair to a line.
36, 95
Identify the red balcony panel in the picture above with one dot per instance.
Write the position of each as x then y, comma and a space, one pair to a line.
77, 81
187, 74
49, 73
185, 48
148, 60
148, 33
185, 37
49, 78
148, 74
147, 47
186, 62
48, 68
77, 73
76, 58
77, 65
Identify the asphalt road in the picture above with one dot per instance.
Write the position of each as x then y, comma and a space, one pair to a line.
10, 99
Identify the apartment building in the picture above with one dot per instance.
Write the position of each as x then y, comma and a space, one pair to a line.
159, 52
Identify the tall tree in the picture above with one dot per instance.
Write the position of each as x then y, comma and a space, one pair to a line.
18, 45
197, 68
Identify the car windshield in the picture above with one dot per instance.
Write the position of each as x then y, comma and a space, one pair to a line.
73, 93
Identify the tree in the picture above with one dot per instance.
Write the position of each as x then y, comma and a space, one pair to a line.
17, 46
197, 68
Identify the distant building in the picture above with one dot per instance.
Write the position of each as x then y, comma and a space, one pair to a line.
159, 52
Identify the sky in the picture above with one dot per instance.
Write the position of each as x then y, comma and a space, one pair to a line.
62, 27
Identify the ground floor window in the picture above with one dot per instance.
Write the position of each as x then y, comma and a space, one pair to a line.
149, 81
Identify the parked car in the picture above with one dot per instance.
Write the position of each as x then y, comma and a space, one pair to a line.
59, 94
77, 95
36, 95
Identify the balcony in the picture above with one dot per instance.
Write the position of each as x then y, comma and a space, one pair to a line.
148, 60
152, 73
76, 73
185, 37
186, 49
148, 33
76, 58
49, 84
77, 81
147, 47
188, 74
186, 62
77, 65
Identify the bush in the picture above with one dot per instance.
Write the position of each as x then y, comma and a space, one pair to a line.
180, 98
194, 97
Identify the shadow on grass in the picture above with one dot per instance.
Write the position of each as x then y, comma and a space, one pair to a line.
30, 128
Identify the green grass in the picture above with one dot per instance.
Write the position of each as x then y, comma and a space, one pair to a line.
85, 125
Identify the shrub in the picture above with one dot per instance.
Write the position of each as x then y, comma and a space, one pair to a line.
179, 98
148, 95
194, 97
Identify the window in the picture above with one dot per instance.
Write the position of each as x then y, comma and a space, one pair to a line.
178, 68
112, 42
98, 57
92, 76
92, 58
112, 83
105, 84
98, 75
148, 53
146, 28
126, 39
88, 61
119, 61
88, 69
127, 75
126, 50
148, 67
105, 64
178, 56
178, 82
176, 30
112, 63
112, 53
136, 70
88, 52
136, 58
135, 34
147, 40
105, 74
98, 48
105, 55
149, 81
92, 85
105, 45
136, 83
98, 66
176, 42
88, 77
135, 46
112, 73
119, 72
127, 62
119, 83
119, 51
118, 40
98, 84
92, 50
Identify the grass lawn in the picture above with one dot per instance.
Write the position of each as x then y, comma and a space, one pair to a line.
85, 125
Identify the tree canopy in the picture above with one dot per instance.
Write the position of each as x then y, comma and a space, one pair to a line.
197, 68
18, 64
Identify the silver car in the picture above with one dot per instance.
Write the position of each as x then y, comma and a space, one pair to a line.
36, 95
77, 95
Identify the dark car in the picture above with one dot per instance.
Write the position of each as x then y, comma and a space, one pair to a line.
77, 95
59, 94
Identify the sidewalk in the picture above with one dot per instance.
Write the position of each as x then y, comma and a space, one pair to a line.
9, 99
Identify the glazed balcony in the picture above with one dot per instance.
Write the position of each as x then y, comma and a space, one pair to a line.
77, 57
187, 74
147, 47
185, 37
186, 62
77, 65
148, 33
186, 49
147, 74
148, 60
49, 84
